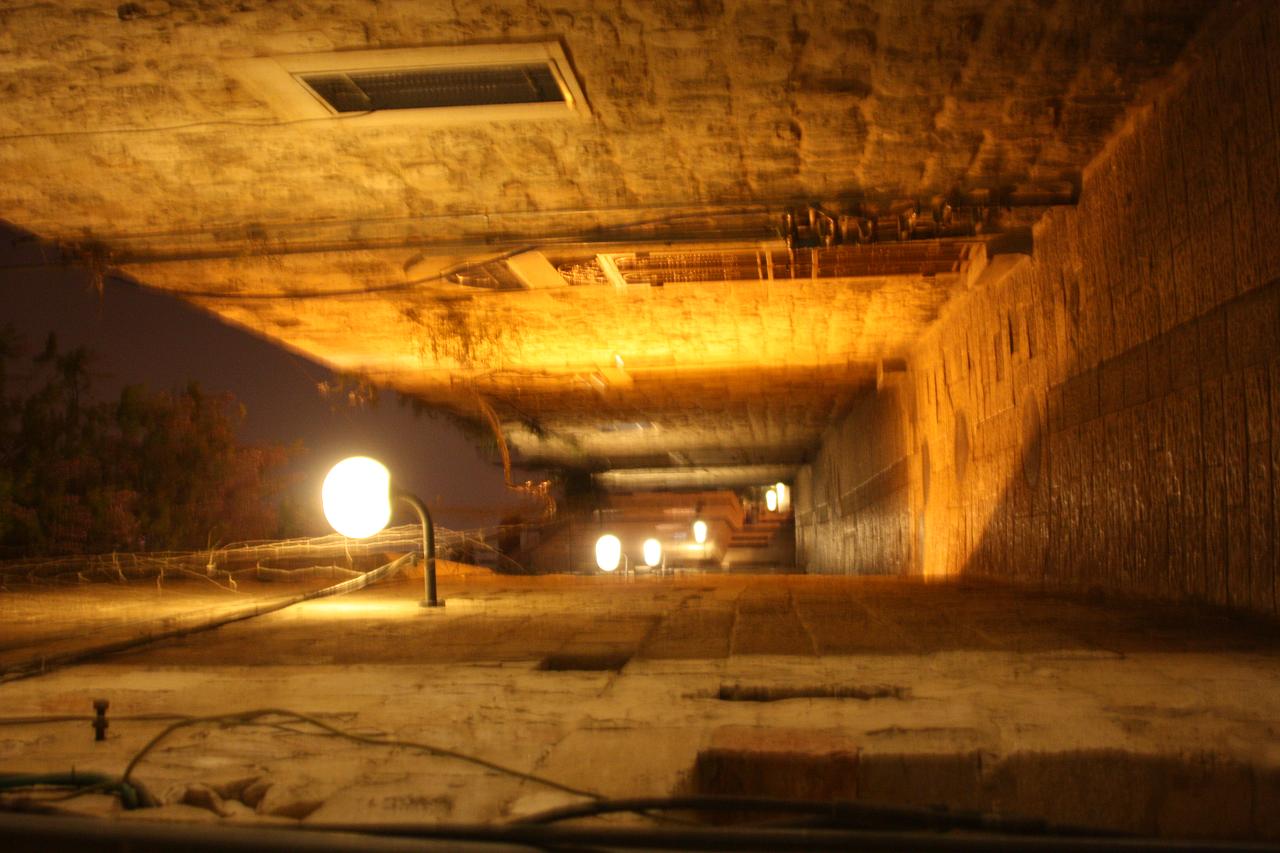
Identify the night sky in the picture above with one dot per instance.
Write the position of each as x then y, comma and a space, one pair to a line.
142, 336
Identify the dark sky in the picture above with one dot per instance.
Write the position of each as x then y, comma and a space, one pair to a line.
142, 336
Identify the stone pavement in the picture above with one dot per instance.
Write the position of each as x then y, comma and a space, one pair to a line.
1149, 718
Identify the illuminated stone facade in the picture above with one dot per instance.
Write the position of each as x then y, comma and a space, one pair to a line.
134, 132
1104, 417
1099, 414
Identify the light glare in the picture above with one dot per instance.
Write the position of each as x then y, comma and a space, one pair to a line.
699, 531
652, 552
771, 500
608, 552
357, 497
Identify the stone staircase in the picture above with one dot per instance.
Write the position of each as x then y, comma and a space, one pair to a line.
769, 540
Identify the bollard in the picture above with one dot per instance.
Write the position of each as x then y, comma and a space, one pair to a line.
100, 722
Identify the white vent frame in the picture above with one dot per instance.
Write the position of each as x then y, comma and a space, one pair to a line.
277, 80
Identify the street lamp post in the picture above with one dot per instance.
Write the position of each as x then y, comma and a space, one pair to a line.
428, 548
357, 496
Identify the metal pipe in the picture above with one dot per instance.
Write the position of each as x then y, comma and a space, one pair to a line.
428, 548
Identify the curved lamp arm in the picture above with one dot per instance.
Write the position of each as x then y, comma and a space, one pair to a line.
428, 546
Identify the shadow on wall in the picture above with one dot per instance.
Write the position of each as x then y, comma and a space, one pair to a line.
1191, 796
1118, 394
853, 502
1103, 418
1153, 475
1159, 437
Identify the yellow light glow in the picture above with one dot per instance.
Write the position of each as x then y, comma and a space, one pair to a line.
357, 497
771, 500
608, 552
342, 608
652, 552
699, 531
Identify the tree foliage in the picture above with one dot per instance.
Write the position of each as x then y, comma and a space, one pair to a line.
153, 470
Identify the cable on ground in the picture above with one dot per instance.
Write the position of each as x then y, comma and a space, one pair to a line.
255, 717
41, 664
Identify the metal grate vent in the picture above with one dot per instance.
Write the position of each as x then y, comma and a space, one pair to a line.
431, 88
655, 269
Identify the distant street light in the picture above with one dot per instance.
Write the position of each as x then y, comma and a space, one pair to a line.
652, 553
771, 500
700, 531
357, 495
608, 552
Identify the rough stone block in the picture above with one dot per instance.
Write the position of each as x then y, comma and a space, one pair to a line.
1253, 327
1229, 78
1257, 387
1172, 122
1211, 331
1212, 170
1185, 281
1054, 415
1111, 377
1235, 436
1100, 788
1188, 461
1159, 378
1223, 270
1176, 568
1266, 803
777, 762
1204, 796
1211, 423
1261, 536
1239, 584
1080, 398
1135, 375
1215, 536
1165, 297
1184, 348
922, 779
1274, 372
1257, 98
1209, 292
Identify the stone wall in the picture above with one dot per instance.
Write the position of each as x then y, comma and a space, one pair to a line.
1103, 417
125, 121
860, 522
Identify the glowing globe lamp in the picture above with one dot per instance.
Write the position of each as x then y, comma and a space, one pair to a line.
652, 552
357, 497
700, 531
771, 500
608, 552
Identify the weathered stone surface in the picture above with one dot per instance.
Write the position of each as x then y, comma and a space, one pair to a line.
131, 134
973, 696
1160, 441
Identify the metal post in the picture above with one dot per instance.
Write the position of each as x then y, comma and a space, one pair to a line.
428, 548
